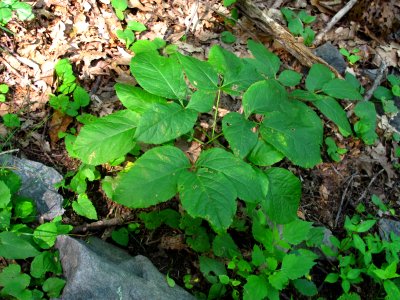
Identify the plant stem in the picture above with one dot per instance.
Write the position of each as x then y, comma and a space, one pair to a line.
215, 114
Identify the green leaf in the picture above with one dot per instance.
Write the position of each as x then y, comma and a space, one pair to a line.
383, 93
84, 207
159, 75
264, 97
267, 62
239, 133
365, 127
163, 123
334, 112
250, 186
263, 154
136, 26
332, 277
201, 101
211, 268
11, 120
106, 138
45, 235
53, 286
200, 73
332, 149
121, 236
81, 97
5, 195
283, 196
308, 36
4, 88
256, 287
295, 26
43, 263
5, 15
304, 95
227, 37
13, 281
296, 266
238, 74
391, 289
224, 246
289, 78
350, 296
305, 287
305, 17
317, 77
341, 89
137, 99
120, 4
288, 13
23, 10
297, 133
257, 256
229, 2
13, 246
152, 179
278, 280
210, 196
296, 231
23, 207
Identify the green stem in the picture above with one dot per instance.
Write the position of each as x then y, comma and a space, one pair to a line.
215, 114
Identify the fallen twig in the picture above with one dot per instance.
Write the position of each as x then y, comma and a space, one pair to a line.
334, 20
9, 151
377, 81
288, 42
369, 185
342, 200
101, 224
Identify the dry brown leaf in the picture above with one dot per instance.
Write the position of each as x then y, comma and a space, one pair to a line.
59, 123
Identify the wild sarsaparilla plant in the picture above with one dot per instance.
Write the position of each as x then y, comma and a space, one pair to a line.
237, 155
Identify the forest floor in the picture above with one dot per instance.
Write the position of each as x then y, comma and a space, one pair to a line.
84, 31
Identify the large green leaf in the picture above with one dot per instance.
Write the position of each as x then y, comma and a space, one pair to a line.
249, 185
334, 112
283, 195
296, 266
200, 73
163, 123
267, 62
208, 195
137, 99
13, 246
106, 138
365, 127
201, 101
238, 74
264, 97
152, 179
256, 287
263, 154
341, 89
159, 75
296, 132
317, 77
238, 132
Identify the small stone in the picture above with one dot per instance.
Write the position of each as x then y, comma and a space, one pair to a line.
38, 183
386, 226
332, 56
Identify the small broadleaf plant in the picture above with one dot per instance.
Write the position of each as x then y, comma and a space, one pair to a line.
174, 92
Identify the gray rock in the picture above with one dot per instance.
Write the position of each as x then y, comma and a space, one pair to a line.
386, 226
38, 183
98, 270
332, 56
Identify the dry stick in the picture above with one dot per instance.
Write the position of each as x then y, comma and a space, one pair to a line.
9, 151
277, 4
342, 200
288, 42
377, 81
100, 224
334, 20
369, 185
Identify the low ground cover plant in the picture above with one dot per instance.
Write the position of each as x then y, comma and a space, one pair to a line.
235, 167
27, 248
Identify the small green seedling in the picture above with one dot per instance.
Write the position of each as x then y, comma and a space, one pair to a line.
3, 91
11, 120
387, 95
128, 35
333, 150
296, 23
227, 37
22, 9
351, 56
119, 6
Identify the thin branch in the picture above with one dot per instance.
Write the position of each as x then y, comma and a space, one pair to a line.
369, 185
377, 81
334, 20
100, 224
342, 200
